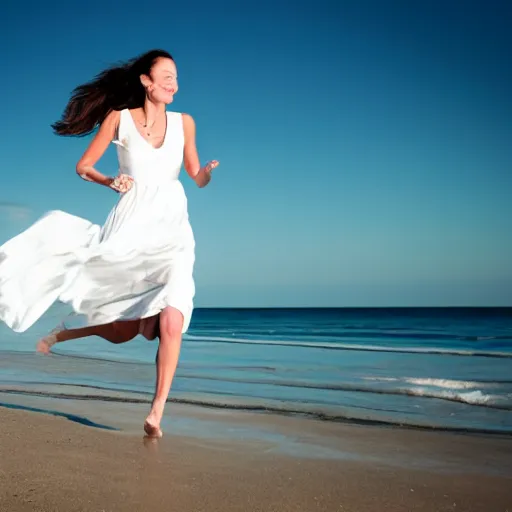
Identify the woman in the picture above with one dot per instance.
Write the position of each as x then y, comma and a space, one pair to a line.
133, 275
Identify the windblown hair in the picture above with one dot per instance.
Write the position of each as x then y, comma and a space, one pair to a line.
116, 88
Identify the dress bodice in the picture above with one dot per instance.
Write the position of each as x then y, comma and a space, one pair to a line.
138, 158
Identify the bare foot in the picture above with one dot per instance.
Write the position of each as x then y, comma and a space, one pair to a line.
152, 423
152, 430
45, 344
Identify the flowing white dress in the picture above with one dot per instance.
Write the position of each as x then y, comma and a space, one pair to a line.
138, 263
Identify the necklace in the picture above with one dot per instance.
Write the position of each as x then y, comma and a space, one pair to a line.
145, 125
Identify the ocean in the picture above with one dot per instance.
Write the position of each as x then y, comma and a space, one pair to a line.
436, 368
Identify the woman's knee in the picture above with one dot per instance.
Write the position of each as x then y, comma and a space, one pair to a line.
171, 323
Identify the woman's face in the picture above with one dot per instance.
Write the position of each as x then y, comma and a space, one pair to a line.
162, 85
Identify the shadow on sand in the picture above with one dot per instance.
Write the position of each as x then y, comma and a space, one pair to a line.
70, 417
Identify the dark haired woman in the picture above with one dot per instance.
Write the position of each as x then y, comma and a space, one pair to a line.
134, 275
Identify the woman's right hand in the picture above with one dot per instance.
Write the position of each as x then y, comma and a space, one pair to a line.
122, 183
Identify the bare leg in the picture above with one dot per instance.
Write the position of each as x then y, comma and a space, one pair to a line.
171, 324
115, 332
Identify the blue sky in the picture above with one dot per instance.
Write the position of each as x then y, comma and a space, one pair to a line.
365, 146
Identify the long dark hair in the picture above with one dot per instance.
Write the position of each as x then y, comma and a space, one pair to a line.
116, 88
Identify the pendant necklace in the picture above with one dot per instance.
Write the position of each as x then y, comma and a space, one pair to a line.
146, 127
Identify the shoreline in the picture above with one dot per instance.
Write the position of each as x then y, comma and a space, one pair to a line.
96, 393
256, 409
49, 463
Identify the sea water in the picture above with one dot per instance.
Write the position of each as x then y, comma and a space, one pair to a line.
445, 368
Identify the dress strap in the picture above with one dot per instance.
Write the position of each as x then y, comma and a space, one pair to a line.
121, 127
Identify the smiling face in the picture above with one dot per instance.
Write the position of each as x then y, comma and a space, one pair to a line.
162, 84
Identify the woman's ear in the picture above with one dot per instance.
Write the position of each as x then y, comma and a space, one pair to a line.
145, 81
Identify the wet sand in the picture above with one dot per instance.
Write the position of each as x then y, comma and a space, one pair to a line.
49, 463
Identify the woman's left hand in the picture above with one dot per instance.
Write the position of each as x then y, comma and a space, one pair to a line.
208, 168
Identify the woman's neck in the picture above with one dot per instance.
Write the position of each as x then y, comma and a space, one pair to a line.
152, 110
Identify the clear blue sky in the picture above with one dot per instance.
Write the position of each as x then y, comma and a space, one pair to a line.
365, 146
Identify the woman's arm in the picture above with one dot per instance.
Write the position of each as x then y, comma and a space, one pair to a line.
85, 167
201, 175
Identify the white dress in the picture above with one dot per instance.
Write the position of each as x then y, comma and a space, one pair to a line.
138, 263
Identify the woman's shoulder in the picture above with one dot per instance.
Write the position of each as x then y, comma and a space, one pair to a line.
112, 118
188, 120
109, 126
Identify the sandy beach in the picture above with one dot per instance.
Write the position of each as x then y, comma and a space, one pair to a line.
50, 463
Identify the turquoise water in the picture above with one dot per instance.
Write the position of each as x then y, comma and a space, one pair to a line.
441, 368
